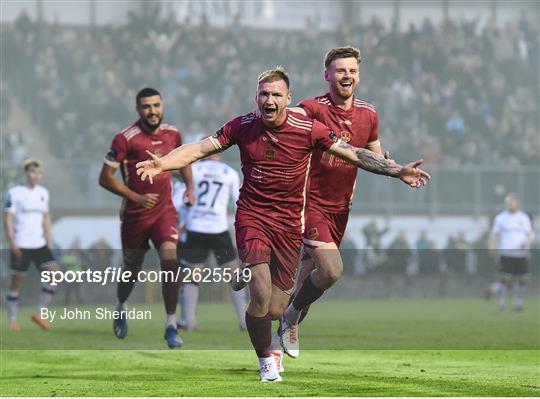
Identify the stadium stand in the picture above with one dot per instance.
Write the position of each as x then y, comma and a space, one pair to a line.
437, 87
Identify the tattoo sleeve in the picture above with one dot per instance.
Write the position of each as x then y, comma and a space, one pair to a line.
367, 160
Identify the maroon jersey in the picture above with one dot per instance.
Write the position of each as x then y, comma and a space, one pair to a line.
332, 179
129, 147
275, 164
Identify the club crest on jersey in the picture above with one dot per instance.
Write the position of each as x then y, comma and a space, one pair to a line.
158, 153
345, 136
313, 233
269, 155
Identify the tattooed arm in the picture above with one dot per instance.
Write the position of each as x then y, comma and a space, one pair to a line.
365, 159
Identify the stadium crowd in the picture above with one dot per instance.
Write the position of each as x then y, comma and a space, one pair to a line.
458, 93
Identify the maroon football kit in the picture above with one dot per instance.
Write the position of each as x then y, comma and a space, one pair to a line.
331, 179
270, 209
139, 224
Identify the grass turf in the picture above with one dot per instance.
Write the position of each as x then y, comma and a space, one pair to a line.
371, 348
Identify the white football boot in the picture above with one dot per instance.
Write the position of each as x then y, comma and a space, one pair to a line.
268, 370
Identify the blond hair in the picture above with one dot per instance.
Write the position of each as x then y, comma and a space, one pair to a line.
274, 74
31, 163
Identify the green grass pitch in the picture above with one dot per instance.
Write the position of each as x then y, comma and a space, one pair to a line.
444, 347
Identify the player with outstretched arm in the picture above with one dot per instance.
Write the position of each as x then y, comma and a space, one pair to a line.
332, 183
276, 146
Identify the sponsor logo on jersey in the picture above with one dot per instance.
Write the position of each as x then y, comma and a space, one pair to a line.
313, 233
333, 136
345, 136
272, 137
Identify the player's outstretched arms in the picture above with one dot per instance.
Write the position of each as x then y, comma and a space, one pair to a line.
176, 159
365, 159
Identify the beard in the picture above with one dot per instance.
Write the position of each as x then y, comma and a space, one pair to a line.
153, 125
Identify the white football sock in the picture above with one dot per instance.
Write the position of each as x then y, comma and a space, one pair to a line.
45, 297
276, 343
171, 320
240, 305
12, 300
519, 295
190, 298
292, 315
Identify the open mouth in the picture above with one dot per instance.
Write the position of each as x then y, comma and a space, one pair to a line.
345, 85
269, 112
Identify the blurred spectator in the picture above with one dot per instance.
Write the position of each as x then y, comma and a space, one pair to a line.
100, 255
455, 253
428, 258
373, 235
398, 254
454, 76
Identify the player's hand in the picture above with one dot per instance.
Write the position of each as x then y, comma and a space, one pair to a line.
148, 201
15, 251
189, 197
413, 176
150, 168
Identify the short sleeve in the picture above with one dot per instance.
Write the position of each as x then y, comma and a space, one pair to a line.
322, 138
9, 202
226, 136
118, 151
374, 134
307, 106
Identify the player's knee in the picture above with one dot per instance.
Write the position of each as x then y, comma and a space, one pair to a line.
260, 299
332, 274
276, 311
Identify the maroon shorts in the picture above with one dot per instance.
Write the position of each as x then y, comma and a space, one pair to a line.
322, 227
162, 227
280, 249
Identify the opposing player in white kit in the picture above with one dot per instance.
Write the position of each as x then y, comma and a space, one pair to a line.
28, 230
207, 231
511, 236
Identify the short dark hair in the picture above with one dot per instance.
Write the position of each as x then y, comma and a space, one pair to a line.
274, 74
342, 52
31, 163
146, 92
